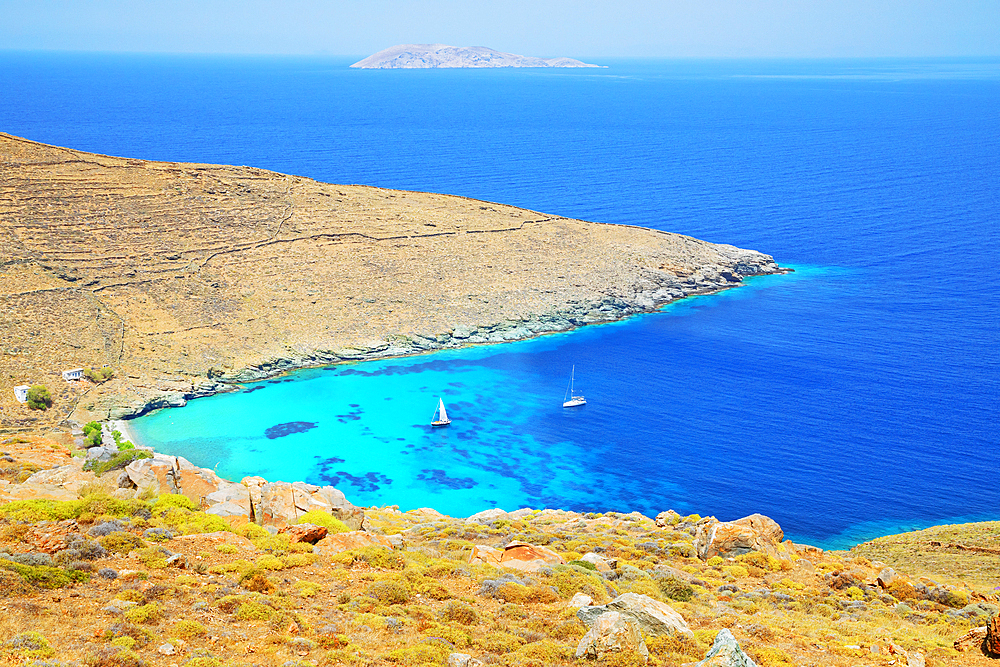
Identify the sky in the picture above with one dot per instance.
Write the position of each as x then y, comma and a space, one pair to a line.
547, 28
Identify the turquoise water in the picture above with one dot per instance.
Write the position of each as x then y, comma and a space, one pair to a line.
853, 398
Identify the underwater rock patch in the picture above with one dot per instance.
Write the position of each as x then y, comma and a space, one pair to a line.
288, 428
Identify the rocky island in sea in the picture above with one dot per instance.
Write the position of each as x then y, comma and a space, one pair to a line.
424, 56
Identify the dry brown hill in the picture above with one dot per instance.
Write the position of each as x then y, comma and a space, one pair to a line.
174, 273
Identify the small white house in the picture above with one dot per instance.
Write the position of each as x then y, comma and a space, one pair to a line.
21, 393
73, 374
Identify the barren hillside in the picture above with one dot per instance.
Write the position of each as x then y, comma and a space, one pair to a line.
174, 273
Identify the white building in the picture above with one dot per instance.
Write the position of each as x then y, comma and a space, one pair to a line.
73, 374
21, 393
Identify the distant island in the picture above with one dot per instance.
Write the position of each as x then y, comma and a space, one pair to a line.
425, 56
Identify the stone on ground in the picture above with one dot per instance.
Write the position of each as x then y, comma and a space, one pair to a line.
725, 652
611, 632
652, 617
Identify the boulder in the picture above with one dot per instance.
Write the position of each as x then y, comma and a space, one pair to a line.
338, 542
462, 660
304, 532
70, 477
281, 504
600, 562
153, 476
668, 518
972, 640
485, 554
487, 516
528, 557
229, 499
725, 652
580, 600
733, 538
886, 577
611, 632
914, 659
992, 644
652, 617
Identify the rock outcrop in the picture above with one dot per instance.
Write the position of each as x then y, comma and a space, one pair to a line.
725, 652
733, 538
611, 632
652, 617
516, 556
338, 542
991, 645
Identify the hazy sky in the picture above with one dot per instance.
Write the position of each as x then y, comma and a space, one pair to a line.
580, 28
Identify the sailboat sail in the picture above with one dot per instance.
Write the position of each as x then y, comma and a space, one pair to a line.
571, 400
440, 415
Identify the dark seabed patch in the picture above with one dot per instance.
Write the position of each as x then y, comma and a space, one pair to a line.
439, 478
253, 389
369, 483
288, 428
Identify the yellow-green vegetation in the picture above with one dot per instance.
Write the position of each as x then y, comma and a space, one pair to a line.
320, 518
28, 645
188, 629
271, 602
147, 613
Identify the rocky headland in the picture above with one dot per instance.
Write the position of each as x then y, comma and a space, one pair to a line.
185, 278
425, 56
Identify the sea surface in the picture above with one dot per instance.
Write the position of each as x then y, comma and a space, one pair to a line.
855, 397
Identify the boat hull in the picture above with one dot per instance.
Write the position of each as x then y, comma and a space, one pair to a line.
441, 423
575, 401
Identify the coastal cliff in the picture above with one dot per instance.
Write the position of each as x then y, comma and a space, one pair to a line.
428, 56
183, 278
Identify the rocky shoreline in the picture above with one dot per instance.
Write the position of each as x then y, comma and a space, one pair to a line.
609, 309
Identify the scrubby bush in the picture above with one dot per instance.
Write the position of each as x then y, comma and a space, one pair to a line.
255, 580
39, 398
29, 644
33, 560
117, 462
188, 629
113, 656
459, 612
99, 375
253, 611
107, 573
92, 434
320, 518
374, 557
147, 613
675, 589
308, 589
121, 542
158, 534
44, 576
389, 592
106, 528
426, 652
142, 636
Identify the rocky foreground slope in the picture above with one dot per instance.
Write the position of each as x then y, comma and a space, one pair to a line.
162, 563
181, 276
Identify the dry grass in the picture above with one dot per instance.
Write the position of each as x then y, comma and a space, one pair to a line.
419, 604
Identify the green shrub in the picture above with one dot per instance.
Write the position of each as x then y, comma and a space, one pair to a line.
226, 548
675, 589
715, 561
187, 629
374, 557
39, 398
168, 500
147, 613
459, 612
320, 518
99, 375
29, 644
121, 542
113, 656
257, 581
434, 653
389, 592
587, 565
92, 434
253, 611
44, 576
118, 462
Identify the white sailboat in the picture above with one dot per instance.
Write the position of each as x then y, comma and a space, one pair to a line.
571, 400
440, 417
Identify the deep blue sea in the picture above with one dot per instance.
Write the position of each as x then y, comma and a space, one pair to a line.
855, 397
